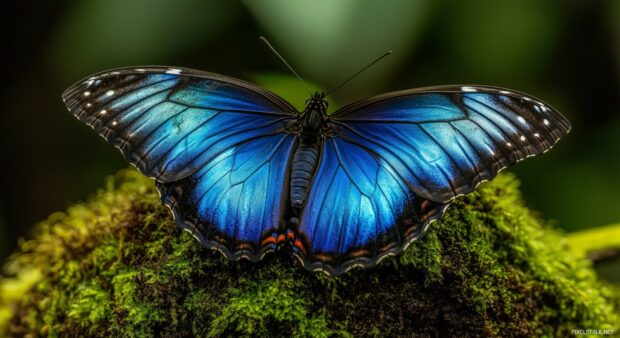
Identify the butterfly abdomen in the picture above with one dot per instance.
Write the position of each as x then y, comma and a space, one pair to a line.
305, 161
306, 156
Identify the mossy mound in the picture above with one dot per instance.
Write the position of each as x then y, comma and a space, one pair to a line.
118, 266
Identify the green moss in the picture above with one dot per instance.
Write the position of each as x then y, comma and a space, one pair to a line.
595, 240
118, 266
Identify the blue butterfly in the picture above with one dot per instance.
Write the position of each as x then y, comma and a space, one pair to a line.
246, 174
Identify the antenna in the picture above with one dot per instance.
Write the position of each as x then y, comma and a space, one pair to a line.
286, 63
358, 72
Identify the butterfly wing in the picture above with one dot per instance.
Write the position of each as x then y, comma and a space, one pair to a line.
217, 147
393, 163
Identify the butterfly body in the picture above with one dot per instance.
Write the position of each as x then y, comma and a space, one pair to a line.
246, 173
312, 127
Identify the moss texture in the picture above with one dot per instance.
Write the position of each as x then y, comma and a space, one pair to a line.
118, 266
597, 240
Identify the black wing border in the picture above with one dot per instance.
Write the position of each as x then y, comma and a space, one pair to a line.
187, 72
344, 112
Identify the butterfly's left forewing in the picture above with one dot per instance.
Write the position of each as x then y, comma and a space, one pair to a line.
391, 164
217, 147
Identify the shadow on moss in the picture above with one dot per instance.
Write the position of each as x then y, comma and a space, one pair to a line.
118, 266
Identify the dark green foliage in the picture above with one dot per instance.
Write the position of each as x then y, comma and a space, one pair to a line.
118, 266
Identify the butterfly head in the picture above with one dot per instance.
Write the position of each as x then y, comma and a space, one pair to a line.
317, 102
315, 114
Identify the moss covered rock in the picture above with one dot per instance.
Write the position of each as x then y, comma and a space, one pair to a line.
118, 266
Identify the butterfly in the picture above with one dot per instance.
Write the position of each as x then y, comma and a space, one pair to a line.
246, 173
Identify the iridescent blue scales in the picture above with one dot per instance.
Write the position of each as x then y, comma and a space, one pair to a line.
247, 174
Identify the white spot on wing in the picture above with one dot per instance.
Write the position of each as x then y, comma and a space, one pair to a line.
86, 93
522, 138
521, 119
140, 70
109, 93
468, 89
505, 92
536, 135
174, 71
546, 122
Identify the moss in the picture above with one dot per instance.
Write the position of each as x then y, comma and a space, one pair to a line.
118, 266
597, 240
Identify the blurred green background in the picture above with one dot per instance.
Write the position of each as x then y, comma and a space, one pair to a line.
565, 53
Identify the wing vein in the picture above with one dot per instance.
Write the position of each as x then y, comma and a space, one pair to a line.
323, 203
200, 153
512, 122
503, 132
384, 159
139, 144
103, 104
471, 161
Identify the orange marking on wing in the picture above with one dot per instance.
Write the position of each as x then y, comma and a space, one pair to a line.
323, 257
299, 245
388, 246
269, 240
244, 246
359, 253
290, 235
411, 230
219, 239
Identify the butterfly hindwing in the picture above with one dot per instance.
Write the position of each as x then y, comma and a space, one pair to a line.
240, 192
217, 147
391, 164
359, 209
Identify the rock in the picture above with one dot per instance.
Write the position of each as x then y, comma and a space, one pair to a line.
118, 266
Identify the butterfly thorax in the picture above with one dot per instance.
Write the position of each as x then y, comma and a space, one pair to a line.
312, 121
